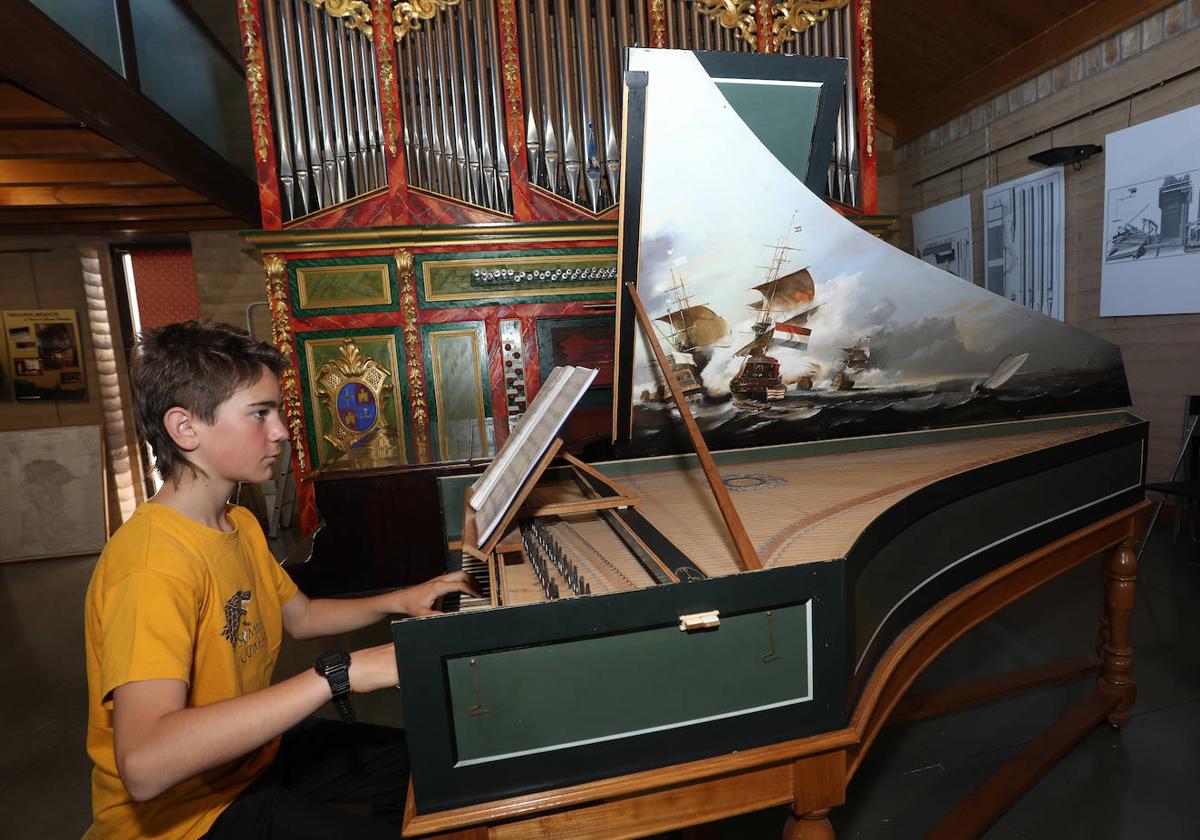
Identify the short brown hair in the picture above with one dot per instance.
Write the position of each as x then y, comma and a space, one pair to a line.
195, 365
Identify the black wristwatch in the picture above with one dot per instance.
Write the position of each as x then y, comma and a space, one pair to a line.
335, 667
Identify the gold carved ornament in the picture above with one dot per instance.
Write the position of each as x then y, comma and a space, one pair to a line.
732, 14
798, 15
512, 70
255, 78
412, 353
356, 12
868, 73
281, 336
387, 79
408, 14
658, 24
353, 368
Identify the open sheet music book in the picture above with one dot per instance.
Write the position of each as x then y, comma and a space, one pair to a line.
533, 434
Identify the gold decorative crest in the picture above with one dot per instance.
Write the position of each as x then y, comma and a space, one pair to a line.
281, 336
798, 15
255, 78
356, 12
732, 14
868, 73
355, 389
412, 352
408, 14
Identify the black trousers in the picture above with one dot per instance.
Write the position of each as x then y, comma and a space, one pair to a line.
322, 762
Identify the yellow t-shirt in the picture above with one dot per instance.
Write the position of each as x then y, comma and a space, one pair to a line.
173, 599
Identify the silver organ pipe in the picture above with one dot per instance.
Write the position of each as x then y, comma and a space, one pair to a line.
374, 110
836, 36
486, 92
325, 103
499, 132
283, 140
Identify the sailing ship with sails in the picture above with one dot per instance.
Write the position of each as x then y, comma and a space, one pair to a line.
759, 377
858, 358
691, 331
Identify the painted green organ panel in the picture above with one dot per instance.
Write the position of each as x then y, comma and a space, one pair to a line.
343, 285
555, 696
451, 280
456, 370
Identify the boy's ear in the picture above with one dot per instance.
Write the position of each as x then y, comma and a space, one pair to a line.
180, 426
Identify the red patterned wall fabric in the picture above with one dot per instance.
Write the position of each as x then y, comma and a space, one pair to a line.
165, 279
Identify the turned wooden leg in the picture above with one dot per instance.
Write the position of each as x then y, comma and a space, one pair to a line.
1120, 581
811, 826
1102, 630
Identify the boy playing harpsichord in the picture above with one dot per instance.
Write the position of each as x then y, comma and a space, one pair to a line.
183, 624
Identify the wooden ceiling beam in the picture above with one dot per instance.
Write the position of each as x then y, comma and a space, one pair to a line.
39, 215
1068, 37
41, 57
124, 230
50, 196
64, 142
26, 171
18, 106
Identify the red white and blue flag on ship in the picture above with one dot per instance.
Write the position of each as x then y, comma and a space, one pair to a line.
791, 336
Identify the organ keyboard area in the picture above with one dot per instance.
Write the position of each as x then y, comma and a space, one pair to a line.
553, 557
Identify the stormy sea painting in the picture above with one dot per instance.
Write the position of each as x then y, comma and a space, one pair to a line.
783, 321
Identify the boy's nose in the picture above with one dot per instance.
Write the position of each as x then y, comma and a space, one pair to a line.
279, 430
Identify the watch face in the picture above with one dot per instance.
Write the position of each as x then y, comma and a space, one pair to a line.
330, 664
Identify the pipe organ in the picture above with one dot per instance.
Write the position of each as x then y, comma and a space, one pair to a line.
461, 111
394, 141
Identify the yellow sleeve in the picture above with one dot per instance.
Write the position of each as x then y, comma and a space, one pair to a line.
283, 583
285, 587
148, 622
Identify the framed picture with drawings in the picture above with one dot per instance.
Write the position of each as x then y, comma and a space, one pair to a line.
53, 493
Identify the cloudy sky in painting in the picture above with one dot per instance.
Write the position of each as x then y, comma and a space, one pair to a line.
715, 202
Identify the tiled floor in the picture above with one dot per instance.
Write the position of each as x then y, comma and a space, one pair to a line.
1140, 782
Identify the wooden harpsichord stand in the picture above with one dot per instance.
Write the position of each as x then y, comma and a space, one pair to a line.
811, 774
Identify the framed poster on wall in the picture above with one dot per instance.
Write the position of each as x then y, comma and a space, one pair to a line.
1024, 252
45, 353
53, 499
1151, 249
942, 237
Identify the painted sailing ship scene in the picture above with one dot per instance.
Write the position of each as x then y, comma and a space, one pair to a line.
783, 321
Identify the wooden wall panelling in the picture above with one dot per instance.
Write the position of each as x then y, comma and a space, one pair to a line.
977, 144
941, 188
1013, 160
1160, 352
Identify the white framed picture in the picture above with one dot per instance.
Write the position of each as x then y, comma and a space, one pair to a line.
942, 237
1150, 264
1024, 231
